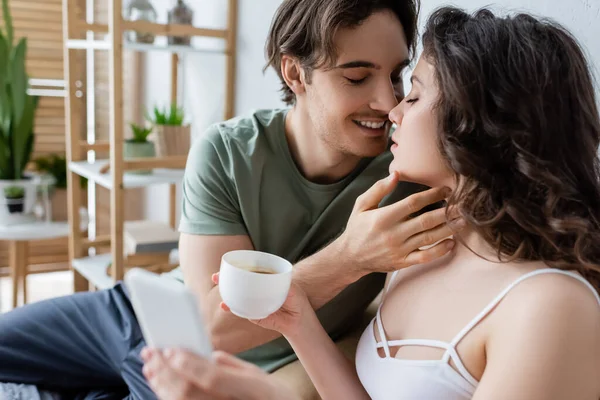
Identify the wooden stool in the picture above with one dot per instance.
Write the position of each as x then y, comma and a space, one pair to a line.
19, 236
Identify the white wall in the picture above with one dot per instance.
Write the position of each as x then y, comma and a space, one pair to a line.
204, 74
581, 17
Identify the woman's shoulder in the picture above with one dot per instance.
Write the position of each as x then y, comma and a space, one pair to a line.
551, 309
557, 292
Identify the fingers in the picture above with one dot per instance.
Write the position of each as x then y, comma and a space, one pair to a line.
428, 221
215, 278
401, 210
219, 378
152, 362
424, 256
224, 307
163, 380
372, 197
434, 235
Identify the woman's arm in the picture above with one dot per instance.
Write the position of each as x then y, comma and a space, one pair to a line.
333, 375
545, 344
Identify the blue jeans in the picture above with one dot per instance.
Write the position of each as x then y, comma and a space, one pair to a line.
83, 346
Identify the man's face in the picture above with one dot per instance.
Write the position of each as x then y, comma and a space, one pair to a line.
348, 103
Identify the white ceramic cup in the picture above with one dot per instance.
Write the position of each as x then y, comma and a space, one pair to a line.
254, 295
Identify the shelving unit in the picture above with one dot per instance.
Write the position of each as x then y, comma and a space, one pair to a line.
91, 271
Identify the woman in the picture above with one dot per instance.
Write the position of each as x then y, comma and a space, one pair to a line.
502, 111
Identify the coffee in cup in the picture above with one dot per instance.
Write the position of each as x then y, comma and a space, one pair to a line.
258, 269
254, 284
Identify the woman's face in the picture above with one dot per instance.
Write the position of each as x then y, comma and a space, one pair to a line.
417, 157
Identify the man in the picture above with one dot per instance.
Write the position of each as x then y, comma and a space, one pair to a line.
280, 181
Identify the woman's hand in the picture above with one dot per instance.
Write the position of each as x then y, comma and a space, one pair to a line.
288, 319
180, 375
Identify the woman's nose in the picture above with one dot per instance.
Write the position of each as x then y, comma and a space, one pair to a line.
396, 114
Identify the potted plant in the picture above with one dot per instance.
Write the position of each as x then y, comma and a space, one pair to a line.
55, 165
172, 137
14, 197
139, 146
17, 114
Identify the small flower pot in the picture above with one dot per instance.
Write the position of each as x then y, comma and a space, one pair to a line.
172, 140
15, 204
17, 200
133, 150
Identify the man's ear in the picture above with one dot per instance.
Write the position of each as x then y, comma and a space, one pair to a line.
293, 74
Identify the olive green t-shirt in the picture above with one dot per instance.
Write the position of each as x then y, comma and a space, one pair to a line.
240, 179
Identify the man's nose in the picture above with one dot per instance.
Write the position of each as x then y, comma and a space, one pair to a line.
385, 97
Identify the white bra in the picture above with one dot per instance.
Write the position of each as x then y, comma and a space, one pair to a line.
390, 378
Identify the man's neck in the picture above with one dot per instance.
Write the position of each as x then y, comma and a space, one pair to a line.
316, 160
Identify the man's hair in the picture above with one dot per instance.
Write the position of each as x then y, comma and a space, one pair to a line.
519, 126
305, 29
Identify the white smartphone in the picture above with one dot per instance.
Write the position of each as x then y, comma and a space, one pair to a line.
167, 312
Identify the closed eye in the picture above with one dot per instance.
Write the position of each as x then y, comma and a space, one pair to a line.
356, 81
411, 100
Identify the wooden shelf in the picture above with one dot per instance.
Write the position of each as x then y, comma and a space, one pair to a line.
94, 269
92, 172
157, 29
141, 47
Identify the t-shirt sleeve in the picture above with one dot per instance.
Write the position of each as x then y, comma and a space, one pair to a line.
210, 204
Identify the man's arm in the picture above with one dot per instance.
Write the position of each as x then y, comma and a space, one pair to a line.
200, 257
376, 240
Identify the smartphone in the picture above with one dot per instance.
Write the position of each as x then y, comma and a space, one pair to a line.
167, 312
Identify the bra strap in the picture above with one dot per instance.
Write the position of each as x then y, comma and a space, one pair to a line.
382, 337
499, 298
452, 354
392, 279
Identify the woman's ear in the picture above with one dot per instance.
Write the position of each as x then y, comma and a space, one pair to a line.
293, 74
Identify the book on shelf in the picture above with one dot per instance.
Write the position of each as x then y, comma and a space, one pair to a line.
149, 237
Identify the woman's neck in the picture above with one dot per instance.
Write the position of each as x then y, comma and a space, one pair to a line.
470, 243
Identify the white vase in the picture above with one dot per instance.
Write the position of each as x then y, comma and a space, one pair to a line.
11, 211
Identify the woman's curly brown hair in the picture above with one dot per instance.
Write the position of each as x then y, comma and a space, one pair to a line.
520, 127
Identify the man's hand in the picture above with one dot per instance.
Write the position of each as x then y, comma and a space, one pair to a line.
386, 239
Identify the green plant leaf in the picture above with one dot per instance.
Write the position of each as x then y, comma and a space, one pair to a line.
159, 116
27, 153
4, 54
7, 22
18, 79
172, 115
56, 166
23, 137
140, 133
5, 109
4, 157
14, 192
